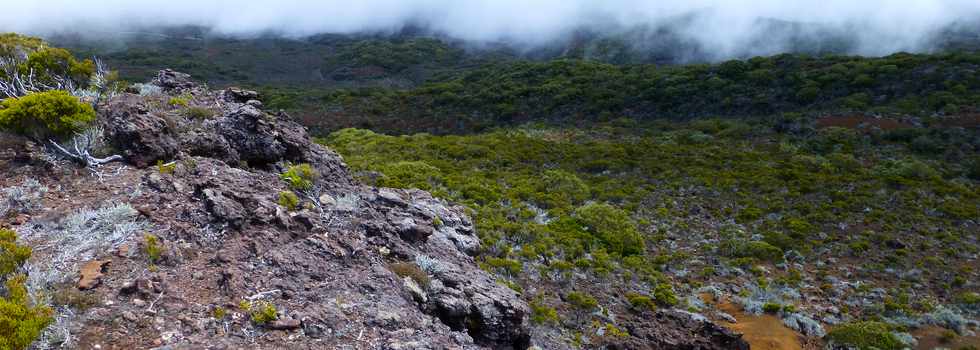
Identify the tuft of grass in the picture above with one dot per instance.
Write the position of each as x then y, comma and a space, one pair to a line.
68, 295
289, 200
198, 113
410, 270
771, 307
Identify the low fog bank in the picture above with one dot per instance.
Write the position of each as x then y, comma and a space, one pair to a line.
695, 29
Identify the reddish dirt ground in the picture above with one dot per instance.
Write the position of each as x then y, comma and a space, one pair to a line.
931, 337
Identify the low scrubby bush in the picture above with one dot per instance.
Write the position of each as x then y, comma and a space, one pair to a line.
25, 198
44, 115
410, 270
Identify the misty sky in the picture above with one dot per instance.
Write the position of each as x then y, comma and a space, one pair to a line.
880, 26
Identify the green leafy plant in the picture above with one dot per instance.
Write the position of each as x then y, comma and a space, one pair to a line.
263, 312
299, 177
12, 255
219, 312
152, 248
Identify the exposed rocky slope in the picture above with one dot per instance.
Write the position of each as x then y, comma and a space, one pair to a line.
206, 232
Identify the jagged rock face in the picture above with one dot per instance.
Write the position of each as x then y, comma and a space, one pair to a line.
329, 269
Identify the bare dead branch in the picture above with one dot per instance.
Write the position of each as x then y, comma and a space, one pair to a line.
82, 145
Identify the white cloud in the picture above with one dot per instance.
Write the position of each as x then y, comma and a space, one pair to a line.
880, 26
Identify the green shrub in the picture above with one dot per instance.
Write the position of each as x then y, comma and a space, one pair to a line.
20, 321
753, 249
612, 226
771, 307
288, 200
560, 188
47, 62
663, 293
582, 301
908, 172
299, 177
12, 255
969, 298
45, 115
543, 314
865, 335
640, 301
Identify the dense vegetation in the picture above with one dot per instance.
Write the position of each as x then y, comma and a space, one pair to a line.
610, 202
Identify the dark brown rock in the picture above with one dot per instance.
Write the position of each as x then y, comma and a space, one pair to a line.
142, 137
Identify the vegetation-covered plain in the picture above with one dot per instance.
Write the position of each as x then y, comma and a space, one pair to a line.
631, 215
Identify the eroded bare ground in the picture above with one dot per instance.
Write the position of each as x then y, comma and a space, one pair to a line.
192, 244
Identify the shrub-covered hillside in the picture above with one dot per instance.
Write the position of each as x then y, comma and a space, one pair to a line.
578, 91
824, 223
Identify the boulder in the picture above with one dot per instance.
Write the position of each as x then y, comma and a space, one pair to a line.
142, 137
